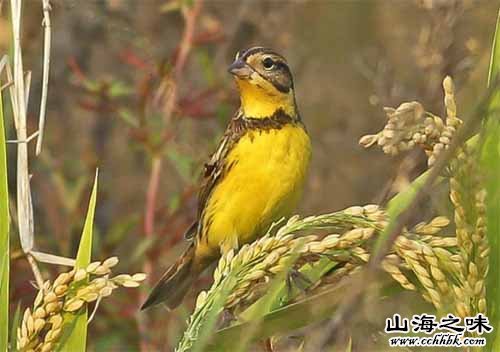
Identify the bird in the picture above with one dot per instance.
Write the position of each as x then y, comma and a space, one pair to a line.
254, 178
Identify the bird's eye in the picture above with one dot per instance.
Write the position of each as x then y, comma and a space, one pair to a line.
268, 63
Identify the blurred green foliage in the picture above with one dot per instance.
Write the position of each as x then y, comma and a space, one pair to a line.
111, 64
76, 338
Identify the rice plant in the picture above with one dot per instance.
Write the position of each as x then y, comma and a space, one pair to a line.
306, 277
449, 270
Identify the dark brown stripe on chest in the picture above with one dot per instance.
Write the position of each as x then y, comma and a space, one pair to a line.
241, 125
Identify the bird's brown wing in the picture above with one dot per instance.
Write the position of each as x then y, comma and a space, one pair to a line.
215, 168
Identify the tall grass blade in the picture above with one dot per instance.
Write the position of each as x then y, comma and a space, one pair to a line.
16, 321
76, 339
208, 326
4, 239
490, 163
266, 304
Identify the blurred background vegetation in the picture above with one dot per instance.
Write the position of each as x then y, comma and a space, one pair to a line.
111, 78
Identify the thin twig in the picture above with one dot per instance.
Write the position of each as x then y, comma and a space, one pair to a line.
36, 271
190, 17
19, 83
46, 68
52, 259
19, 96
25, 210
96, 306
149, 231
3, 62
27, 87
152, 192
27, 140
169, 87
13, 98
6, 85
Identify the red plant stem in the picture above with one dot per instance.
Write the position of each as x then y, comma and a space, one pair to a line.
154, 180
76, 69
149, 231
185, 46
190, 16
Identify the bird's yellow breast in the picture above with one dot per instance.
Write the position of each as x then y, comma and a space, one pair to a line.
264, 184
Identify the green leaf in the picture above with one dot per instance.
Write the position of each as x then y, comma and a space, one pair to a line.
490, 167
120, 89
16, 321
207, 66
495, 54
128, 117
278, 294
183, 163
4, 239
203, 320
396, 206
401, 200
266, 304
74, 338
294, 316
208, 327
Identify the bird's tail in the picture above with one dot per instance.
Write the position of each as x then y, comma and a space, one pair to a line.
175, 283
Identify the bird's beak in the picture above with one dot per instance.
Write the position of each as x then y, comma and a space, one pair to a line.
240, 69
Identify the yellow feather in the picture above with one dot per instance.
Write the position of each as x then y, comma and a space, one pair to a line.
260, 99
264, 185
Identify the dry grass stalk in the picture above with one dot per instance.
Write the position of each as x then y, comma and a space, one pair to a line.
19, 81
43, 324
46, 67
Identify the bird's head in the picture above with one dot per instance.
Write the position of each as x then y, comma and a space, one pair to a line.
264, 81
